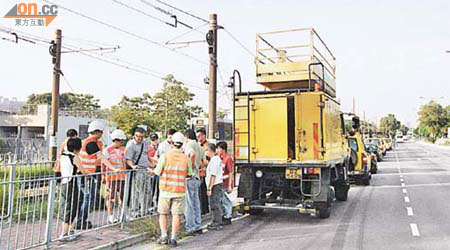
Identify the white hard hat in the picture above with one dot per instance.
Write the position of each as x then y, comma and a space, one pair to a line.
95, 125
178, 137
118, 135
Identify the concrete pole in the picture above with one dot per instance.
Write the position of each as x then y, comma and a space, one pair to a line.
55, 95
212, 76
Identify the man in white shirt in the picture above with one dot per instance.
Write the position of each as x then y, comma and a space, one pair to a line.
166, 145
214, 183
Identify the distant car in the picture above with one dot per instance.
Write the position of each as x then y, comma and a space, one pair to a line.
374, 149
399, 139
388, 142
379, 143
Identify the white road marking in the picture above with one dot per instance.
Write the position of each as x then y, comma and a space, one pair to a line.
405, 191
409, 210
406, 199
414, 229
403, 184
402, 180
401, 176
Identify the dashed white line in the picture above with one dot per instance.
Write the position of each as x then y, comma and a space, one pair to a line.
401, 176
405, 191
403, 184
414, 229
402, 180
407, 199
409, 210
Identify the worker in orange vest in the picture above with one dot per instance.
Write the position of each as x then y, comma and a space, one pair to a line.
91, 159
173, 168
115, 176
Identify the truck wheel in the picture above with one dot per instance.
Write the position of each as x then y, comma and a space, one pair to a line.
341, 192
324, 212
325, 209
374, 170
366, 180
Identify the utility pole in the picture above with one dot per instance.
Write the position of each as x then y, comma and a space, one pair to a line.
55, 51
211, 38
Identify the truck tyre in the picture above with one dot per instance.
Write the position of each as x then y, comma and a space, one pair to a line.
325, 209
324, 212
374, 169
341, 192
366, 180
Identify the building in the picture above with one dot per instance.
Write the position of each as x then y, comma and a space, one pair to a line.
35, 124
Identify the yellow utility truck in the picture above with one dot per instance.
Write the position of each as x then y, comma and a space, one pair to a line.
290, 145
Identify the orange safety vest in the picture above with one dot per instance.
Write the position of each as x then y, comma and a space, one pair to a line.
118, 162
173, 176
90, 162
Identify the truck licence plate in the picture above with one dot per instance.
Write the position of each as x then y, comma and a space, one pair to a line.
293, 173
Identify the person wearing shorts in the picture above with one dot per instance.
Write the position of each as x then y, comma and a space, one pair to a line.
173, 168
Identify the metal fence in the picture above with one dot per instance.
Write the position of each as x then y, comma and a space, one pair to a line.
37, 207
24, 150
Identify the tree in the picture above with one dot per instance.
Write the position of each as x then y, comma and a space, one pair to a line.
130, 112
67, 101
433, 120
170, 105
220, 114
389, 125
404, 129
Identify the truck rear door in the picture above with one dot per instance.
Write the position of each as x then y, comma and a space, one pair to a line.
269, 126
309, 126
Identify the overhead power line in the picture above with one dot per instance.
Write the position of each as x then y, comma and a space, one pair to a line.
240, 43
143, 13
185, 33
126, 32
182, 11
171, 15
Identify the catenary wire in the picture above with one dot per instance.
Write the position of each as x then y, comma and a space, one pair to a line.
126, 32
182, 11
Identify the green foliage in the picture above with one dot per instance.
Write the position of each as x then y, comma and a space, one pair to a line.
221, 114
171, 108
168, 108
404, 129
67, 101
433, 120
133, 111
389, 125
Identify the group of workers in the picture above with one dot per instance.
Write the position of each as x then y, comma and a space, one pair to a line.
183, 175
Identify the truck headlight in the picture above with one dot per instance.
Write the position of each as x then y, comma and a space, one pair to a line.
258, 173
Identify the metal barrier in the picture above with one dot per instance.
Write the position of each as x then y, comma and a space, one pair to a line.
36, 210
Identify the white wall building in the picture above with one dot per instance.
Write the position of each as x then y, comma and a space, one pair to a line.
36, 125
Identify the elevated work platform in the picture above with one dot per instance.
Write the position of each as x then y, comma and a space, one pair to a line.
294, 59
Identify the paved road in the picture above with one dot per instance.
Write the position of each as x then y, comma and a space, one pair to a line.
407, 206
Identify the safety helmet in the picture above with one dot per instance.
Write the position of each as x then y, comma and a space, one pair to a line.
178, 137
95, 125
118, 135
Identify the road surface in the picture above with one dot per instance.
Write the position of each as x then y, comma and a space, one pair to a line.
407, 206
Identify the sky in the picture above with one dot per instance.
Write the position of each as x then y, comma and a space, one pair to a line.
388, 53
